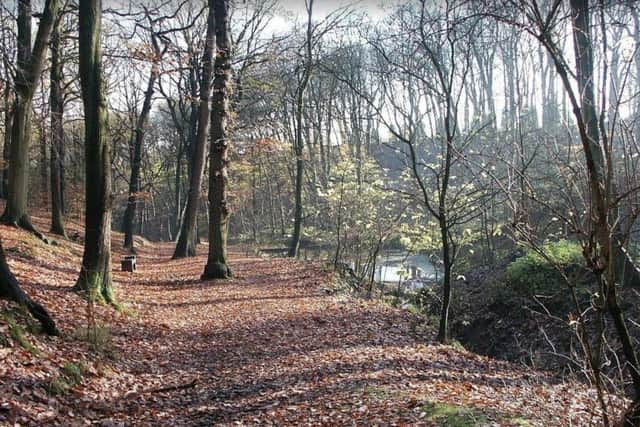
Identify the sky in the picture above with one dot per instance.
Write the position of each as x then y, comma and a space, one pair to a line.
321, 8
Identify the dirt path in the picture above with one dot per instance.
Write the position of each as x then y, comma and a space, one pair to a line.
270, 347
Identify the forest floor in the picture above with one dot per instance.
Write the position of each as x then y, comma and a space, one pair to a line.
270, 347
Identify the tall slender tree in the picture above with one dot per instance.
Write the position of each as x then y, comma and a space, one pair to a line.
185, 246
56, 100
30, 64
95, 273
298, 144
217, 267
7, 98
138, 138
8, 118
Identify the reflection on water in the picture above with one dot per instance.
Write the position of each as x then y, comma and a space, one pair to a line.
392, 266
395, 266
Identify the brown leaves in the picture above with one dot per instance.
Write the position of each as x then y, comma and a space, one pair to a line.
267, 347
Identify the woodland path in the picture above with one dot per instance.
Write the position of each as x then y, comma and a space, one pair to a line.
269, 347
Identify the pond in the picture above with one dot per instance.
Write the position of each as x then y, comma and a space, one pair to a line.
393, 265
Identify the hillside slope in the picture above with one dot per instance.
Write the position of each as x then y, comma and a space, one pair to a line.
270, 346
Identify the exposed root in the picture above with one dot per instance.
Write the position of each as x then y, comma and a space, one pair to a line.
10, 289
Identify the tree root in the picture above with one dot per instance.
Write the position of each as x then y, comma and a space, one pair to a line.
10, 289
25, 223
216, 270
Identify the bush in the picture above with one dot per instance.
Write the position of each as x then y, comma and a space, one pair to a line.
533, 273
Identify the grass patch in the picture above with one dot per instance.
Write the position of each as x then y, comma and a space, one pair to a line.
71, 374
18, 335
447, 415
519, 422
73, 371
57, 386
378, 393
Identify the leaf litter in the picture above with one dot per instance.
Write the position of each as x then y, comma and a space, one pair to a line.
268, 347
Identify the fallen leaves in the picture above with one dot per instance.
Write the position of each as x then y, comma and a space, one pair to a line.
268, 347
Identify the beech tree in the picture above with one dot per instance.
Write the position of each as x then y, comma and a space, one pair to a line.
156, 34
95, 272
306, 63
8, 54
56, 99
298, 144
138, 138
30, 64
217, 267
185, 245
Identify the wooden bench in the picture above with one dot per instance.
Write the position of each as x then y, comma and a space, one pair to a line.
128, 263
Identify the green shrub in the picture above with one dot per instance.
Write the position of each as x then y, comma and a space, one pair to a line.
534, 273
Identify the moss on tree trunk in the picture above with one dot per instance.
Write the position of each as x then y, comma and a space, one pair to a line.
30, 63
95, 273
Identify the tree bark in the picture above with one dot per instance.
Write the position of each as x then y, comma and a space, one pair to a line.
294, 246
177, 213
95, 273
443, 328
43, 166
217, 267
56, 101
10, 289
30, 63
186, 242
8, 120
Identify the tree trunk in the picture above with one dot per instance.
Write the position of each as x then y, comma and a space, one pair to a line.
217, 267
30, 63
8, 120
177, 213
95, 273
57, 133
186, 240
443, 329
297, 222
4, 171
615, 259
10, 289
294, 246
134, 180
43, 167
